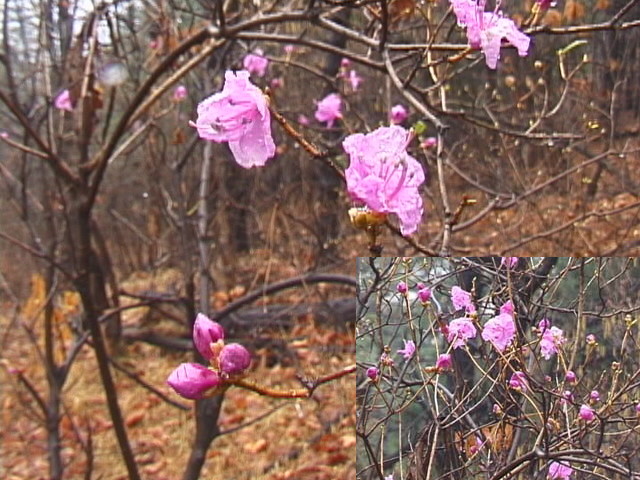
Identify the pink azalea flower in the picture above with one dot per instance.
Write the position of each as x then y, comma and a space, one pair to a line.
384, 176
234, 359
544, 324
373, 373
587, 413
462, 299
507, 308
567, 396
558, 471
402, 287
63, 101
552, 339
444, 362
398, 114
345, 62
206, 332
180, 93
459, 331
303, 119
355, 80
289, 49
408, 350
570, 376
510, 262
328, 109
518, 381
424, 294
192, 380
637, 407
485, 30
256, 63
500, 331
591, 340
594, 396
239, 114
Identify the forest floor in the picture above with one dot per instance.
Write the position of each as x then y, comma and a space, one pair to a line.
263, 437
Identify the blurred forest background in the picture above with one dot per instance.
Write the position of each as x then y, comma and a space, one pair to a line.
117, 224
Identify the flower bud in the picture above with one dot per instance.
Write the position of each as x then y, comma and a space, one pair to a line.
373, 373
234, 359
192, 380
206, 332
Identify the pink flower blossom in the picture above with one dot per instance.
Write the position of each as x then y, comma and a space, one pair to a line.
552, 339
180, 93
408, 350
518, 381
256, 63
424, 294
594, 396
558, 471
459, 331
462, 299
510, 262
373, 373
328, 109
402, 288
591, 340
637, 407
206, 332
345, 62
544, 324
485, 30
444, 362
276, 82
355, 80
234, 359
289, 49
586, 413
382, 175
398, 114
386, 360
239, 114
567, 397
570, 376
192, 380
500, 331
63, 101
507, 308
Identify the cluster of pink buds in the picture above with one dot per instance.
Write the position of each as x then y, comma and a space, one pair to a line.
227, 362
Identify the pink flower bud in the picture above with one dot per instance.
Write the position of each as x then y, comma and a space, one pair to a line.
570, 376
329, 109
519, 381
594, 396
303, 120
586, 413
345, 62
234, 359
557, 471
373, 373
402, 288
398, 114
591, 340
206, 332
192, 380
429, 142
180, 93
444, 362
424, 294
256, 63
289, 49
638, 408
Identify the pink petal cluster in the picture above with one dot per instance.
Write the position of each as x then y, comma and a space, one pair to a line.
510, 262
459, 331
63, 101
239, 114
192, 380
373, 373
398, 114
329, 109
382, 175
507, 308
402, 288
462, 299
558, 471
552, 339
256, 63
180, 93
485, 30
429, 142
500, 331
518, 381
408, 350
